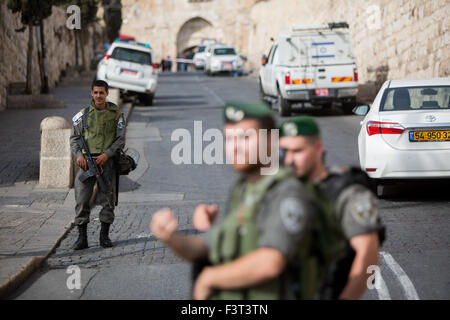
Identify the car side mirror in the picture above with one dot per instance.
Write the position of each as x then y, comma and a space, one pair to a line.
361, 110
264, 60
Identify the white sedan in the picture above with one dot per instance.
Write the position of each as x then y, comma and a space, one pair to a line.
406, 132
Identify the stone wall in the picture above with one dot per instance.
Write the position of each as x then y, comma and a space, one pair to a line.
391, 38
165, 23
60, 44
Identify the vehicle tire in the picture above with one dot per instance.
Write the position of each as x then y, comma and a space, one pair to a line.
148, 99
327, 106
261, 92
379, 190
348, 107
283, 105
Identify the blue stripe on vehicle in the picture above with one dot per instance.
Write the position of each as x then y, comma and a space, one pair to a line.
326, 56
322, 43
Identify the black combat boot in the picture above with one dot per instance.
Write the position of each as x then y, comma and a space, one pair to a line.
82, 242
105, 241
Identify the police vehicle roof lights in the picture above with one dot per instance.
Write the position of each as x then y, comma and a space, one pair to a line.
133, 42
329, 26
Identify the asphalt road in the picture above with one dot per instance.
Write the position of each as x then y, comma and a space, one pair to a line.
415, 258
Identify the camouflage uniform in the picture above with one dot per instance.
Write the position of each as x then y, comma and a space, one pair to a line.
105, 134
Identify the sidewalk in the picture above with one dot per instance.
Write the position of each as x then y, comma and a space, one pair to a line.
33, 220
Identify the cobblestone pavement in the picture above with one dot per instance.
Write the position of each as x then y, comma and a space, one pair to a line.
133, 242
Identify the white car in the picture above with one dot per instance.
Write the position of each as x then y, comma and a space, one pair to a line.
406, 132
128, 66
222, 58
199, 57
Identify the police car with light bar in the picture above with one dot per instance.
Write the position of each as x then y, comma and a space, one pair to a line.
313, 64
128, 66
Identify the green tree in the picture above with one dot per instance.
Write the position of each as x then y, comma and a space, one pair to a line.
113, 18
32, 13
88, 11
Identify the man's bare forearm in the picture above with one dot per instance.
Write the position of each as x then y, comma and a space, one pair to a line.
366, 247
253, 268
190, 248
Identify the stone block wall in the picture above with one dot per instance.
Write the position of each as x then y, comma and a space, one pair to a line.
60, 49
392, 39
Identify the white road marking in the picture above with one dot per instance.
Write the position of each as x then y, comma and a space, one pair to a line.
212, 93
407, 285
383, 292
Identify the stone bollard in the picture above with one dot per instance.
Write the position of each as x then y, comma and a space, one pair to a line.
114, 96
56, 160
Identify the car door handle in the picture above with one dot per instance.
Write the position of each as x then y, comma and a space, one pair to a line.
322, 77
321, 70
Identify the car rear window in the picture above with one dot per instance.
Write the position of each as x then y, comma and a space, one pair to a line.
130, 55
224, 51
201, 49
416, 98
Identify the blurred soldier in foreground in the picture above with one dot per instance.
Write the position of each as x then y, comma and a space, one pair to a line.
354, 204
259, 245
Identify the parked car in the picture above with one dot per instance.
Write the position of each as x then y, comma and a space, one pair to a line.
222, 58
200, 56
406, 132
128, 66
311, 64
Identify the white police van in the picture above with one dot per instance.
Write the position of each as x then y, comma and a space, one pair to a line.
312, 64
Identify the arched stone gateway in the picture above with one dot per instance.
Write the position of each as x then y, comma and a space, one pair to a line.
192, 32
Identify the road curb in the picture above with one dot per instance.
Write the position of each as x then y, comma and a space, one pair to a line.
34, 263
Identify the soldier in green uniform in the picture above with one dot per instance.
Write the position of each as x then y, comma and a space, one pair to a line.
256, 246
103, 127
354, 203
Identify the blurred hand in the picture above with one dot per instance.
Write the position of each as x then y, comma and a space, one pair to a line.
81, 161
202, 286
204, 216
164, 224
101, 159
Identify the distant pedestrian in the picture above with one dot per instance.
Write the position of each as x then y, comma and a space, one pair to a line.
169, 64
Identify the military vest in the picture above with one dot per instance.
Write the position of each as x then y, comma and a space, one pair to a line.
101, 127
340, 178
332, 249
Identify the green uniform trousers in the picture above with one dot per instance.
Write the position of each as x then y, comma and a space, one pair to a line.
83, 193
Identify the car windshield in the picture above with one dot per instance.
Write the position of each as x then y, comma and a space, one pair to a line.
201, 49
130, 55
224, 51
416, 98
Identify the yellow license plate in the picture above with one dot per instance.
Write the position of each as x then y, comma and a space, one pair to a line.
421, 136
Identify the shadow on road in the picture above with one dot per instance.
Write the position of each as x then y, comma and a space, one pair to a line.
437, 190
